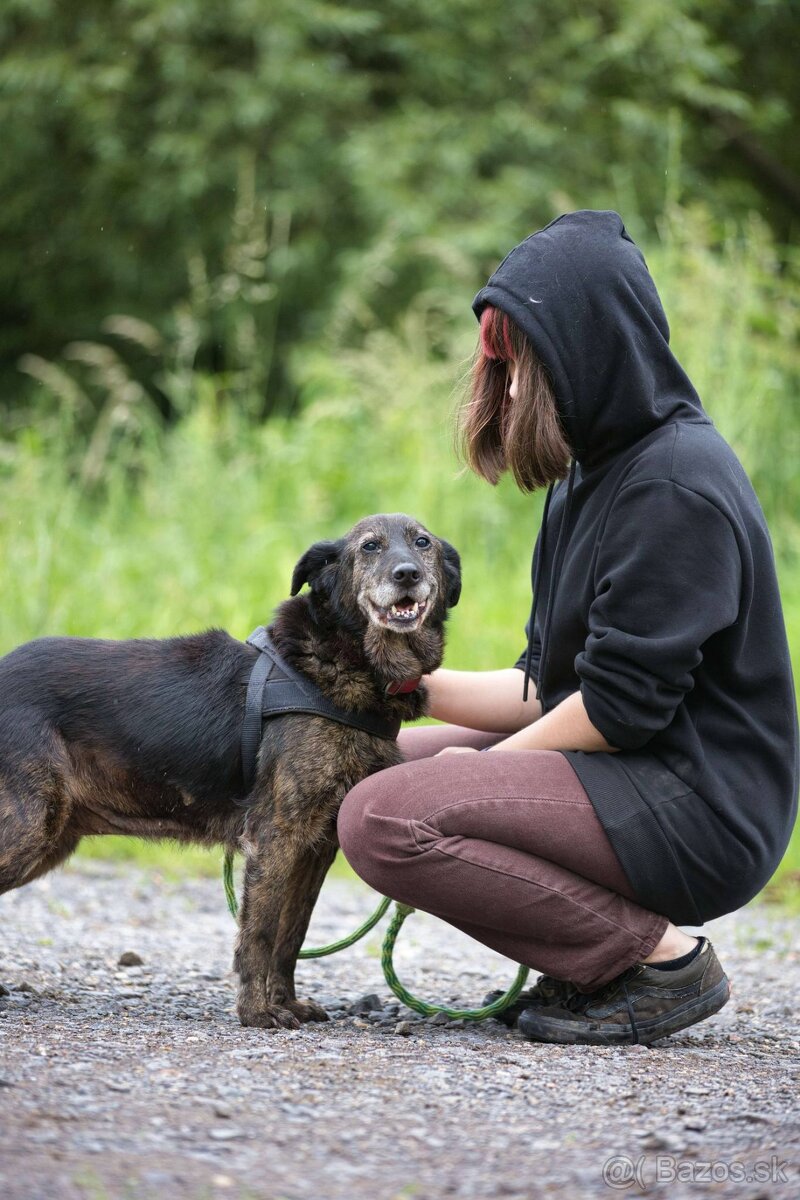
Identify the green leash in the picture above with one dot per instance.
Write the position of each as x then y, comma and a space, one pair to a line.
400, 914
430, 1010
319, 951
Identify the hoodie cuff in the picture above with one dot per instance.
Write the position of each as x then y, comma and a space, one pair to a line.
619, 734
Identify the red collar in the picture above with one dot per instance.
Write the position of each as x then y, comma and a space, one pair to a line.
402, 688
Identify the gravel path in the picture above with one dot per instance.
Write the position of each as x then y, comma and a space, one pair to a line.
139, 1082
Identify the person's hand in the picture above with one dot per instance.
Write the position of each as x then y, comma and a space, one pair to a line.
457, 750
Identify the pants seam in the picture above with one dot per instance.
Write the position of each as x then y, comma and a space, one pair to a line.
586, 803
555, 892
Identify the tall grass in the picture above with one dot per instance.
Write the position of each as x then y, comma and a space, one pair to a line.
173, 530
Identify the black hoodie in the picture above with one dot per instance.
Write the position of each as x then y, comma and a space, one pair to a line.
656, 594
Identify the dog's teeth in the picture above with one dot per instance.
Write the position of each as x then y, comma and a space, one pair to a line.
405, 614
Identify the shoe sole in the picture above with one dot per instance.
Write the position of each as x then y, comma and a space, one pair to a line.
567, 1033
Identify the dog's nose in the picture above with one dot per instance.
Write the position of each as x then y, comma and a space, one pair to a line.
406, 573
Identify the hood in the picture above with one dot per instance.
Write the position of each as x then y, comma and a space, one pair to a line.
581, 292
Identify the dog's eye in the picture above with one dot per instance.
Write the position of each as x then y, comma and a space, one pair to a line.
370, 547
422, 542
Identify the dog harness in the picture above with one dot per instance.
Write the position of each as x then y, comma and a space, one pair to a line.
275, 688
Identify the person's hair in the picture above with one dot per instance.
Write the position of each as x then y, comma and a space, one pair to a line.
495, 433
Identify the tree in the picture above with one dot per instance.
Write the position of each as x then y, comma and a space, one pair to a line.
392, 148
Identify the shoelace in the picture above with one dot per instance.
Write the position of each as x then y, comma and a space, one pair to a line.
579, 1001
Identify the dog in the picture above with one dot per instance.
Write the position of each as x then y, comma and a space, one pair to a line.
143, 737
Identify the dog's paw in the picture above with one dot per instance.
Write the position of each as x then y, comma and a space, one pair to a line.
268, 1016
307, 1010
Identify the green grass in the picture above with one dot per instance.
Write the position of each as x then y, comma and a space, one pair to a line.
172, 861
155, 532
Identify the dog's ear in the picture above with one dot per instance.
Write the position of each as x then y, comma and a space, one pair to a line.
310, 567
451, 562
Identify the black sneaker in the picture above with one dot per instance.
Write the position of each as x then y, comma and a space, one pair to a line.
640, 1005
546, 990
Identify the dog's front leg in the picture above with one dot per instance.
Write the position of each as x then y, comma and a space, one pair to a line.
301, 896
282, 877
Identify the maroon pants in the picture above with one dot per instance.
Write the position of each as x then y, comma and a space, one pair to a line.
506, 847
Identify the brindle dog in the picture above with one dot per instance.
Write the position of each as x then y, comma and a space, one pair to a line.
143, 737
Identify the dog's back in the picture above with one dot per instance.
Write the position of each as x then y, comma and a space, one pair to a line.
120, 728
170, 702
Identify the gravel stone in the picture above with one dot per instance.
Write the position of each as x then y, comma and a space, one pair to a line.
25, 986
332, 1003
439, 1018
139, 1081
130, 959
367, 1004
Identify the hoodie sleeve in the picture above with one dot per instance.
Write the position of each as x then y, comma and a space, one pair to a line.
667, 577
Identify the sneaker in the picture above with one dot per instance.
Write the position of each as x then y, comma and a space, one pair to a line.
546, 990
640, 1005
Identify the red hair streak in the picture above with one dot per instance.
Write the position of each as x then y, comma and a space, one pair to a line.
495, 334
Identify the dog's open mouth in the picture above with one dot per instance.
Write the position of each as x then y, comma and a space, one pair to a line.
404, 612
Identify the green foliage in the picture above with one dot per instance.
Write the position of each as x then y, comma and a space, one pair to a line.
734, 311
385, 153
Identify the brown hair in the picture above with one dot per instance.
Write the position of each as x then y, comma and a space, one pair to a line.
496, 433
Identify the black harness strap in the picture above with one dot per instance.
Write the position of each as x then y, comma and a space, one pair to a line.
275, 688
252, 724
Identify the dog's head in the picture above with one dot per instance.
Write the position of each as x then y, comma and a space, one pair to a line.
390, 568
